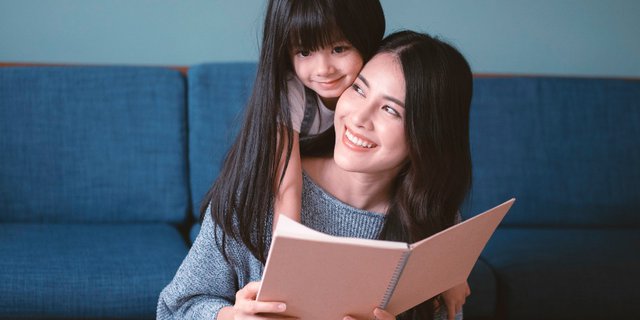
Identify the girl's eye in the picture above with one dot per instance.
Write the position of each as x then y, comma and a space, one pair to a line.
339, 49
391, 111
357, 89
304, 53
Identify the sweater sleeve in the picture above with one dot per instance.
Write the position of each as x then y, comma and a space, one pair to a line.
203, 284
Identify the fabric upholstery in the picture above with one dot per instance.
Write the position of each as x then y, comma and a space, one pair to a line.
92, 144
566, 273
218, 93
482, 302
86, 270
567, 149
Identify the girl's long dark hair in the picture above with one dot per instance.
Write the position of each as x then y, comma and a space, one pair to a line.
242, 196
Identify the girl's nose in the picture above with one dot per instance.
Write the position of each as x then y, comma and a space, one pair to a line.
325, 65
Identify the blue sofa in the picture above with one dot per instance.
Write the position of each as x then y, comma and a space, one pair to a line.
569, 150
102, 170
93, 189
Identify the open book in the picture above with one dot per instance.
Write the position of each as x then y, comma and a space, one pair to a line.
326, 277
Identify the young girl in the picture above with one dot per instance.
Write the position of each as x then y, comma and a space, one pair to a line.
311, 52
328, 42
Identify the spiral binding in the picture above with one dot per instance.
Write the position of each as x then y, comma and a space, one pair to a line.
394, 280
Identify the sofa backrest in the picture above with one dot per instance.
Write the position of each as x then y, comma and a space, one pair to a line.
218, 93
567, 149
92, 144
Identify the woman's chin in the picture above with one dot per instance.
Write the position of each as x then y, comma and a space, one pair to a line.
344, 162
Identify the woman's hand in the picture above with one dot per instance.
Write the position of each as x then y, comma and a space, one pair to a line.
247, 307
378, 313
454, 299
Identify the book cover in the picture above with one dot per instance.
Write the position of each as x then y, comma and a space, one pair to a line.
321, 276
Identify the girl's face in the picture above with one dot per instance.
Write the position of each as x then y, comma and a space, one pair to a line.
369, 119
328, 71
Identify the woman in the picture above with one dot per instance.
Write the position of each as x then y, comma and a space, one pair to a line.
401, 168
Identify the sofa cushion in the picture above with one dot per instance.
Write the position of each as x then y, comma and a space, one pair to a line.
566, 273
567, 149
218, 93
92, 144
86, 271
481, 304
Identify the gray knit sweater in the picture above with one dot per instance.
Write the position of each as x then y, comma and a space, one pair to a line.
206, 282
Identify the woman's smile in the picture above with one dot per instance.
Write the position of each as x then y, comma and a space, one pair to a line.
353, 140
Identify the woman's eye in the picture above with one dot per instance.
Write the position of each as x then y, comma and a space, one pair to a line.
357, 89
391, 111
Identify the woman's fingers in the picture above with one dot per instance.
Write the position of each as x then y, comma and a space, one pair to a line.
250, 291
246, 303
253, 307
383, 314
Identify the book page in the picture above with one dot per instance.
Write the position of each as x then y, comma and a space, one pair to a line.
444, 260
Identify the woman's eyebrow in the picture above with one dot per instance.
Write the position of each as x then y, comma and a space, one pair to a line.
366, 83
398, 102
390, 98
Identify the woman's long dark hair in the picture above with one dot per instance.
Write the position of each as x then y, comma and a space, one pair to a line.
242, 196
432, 187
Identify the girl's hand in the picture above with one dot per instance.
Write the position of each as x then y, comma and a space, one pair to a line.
454, 298
378, 313
246, 306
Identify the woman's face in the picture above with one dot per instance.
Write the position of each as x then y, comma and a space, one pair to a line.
369, 119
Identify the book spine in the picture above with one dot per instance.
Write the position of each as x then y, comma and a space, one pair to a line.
391, 287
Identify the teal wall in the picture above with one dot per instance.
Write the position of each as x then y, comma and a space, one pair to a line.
562, 37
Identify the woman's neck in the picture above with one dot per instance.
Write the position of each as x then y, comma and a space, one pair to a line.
364, 191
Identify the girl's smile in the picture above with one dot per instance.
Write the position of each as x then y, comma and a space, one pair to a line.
327, 71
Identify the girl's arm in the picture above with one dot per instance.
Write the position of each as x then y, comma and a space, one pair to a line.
289, 193
455, 298
377, 313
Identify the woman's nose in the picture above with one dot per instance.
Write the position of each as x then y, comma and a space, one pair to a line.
361, 116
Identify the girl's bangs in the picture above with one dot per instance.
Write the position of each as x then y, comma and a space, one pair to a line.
313, 31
